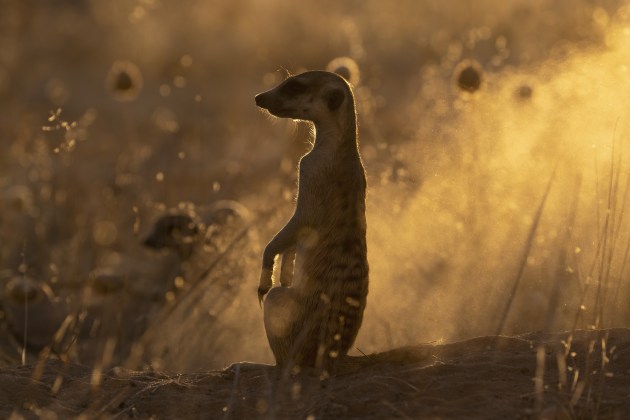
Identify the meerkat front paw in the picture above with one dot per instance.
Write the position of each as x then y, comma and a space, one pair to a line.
265, 283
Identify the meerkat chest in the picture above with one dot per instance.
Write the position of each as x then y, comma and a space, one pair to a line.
313, 175
315, 163
328, 187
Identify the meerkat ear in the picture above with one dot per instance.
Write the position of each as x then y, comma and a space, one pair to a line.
335, 98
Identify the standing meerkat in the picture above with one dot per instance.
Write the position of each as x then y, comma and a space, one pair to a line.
312, 319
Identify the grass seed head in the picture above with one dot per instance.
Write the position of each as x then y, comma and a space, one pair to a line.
347, 68
124, 81
468, 76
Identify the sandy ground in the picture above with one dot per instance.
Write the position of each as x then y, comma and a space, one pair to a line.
484, 377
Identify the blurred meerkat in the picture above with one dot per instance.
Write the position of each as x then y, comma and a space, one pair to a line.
178, 230
198, 235
201, 237
313, 320
32, 311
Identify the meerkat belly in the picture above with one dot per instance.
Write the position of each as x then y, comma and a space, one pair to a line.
306, 258
331, 261
334, 287
298, 269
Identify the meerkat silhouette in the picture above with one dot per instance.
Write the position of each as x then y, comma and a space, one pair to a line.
313, 318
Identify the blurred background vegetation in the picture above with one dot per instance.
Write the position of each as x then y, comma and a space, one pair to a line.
114, 112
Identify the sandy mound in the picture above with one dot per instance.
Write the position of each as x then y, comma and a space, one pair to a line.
485, 377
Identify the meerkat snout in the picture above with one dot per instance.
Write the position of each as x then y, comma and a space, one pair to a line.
263, 100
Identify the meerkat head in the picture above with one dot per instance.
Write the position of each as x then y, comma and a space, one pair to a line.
312, 96
174, 231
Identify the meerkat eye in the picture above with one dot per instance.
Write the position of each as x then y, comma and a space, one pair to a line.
335, 98
294, 87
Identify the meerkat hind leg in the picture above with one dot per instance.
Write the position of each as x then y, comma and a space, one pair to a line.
281, 310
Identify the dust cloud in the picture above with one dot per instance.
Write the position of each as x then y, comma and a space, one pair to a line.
446, 253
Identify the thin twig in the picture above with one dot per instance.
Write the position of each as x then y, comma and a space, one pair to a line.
528, 246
